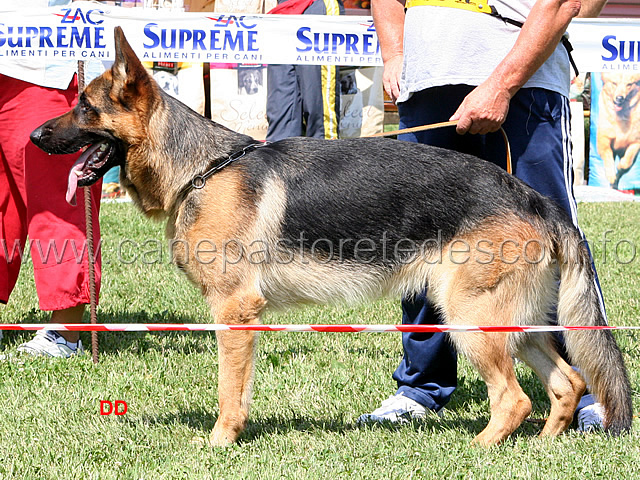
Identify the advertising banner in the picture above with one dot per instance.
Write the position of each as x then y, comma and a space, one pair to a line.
606, 45
615, 131
361, 102
181, 80
84, 31
239, 99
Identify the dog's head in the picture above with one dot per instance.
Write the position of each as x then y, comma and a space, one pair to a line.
167, 81
621, 89
250, 81
109, 118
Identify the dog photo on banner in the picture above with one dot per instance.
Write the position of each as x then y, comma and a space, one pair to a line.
361, 102
615, 131
181, 80
239, 98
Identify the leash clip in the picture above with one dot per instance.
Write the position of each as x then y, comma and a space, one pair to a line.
198, 182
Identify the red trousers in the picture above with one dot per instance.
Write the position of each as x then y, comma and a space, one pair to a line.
32, 201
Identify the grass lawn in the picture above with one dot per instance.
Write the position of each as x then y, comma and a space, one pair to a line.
309, 387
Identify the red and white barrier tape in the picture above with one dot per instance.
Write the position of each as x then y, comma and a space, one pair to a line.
197, 327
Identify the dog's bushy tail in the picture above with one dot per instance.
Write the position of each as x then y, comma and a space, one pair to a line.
595, 352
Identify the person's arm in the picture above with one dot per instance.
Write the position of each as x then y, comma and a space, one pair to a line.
591, 8
485, 108
388, 18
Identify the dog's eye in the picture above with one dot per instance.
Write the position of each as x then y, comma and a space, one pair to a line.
84, 106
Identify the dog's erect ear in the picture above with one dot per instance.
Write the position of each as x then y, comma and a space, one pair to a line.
130, 79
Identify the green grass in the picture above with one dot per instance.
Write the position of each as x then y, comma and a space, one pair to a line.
309, 388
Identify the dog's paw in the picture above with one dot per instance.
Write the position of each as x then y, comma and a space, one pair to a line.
220, 438
625, 164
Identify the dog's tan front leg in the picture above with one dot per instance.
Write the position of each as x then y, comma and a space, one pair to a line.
235, 372
629, 156
610, 170
606, 153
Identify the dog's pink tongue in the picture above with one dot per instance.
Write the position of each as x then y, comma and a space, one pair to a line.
72, 182
76, 170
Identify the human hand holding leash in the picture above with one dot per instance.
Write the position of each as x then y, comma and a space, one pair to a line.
486, 107
483, 111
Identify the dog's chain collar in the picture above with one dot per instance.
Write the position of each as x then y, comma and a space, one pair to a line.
199, 181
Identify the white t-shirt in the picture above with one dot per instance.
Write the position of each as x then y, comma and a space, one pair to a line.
433, 56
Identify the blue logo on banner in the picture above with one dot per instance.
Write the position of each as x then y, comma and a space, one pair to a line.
224, 21
240, 39
624, 51
78, 15
336, 43
63, 38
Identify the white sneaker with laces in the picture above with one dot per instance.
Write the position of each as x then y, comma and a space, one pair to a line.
591, 418
51, 344
395, 409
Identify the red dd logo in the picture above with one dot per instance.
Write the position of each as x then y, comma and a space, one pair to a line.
107, 407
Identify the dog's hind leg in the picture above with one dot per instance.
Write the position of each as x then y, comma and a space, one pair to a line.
563, 384
236, 363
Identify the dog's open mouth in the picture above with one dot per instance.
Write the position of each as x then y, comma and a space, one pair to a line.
94, 162
620, 104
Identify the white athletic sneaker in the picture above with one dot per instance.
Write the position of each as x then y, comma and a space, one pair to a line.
591, 418
395, 409
50, 343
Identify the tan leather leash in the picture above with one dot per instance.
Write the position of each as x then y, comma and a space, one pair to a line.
433, 126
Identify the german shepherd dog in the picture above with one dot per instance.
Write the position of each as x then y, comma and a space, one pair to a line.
323, 221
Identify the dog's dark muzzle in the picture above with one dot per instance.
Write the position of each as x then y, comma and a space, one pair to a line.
58, 137
50, 138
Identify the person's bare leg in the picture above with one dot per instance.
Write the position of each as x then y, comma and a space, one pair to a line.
68, 315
